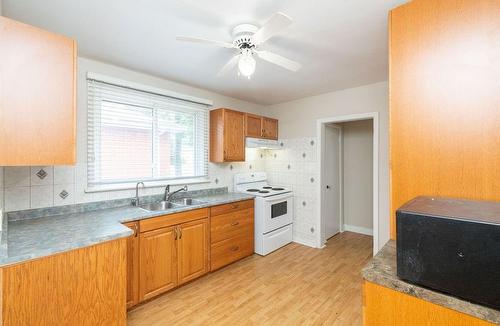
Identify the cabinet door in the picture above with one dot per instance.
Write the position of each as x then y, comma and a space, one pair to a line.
192, 249
158, 262
253, 125
133, 266
270, 128
234, 136
37, 96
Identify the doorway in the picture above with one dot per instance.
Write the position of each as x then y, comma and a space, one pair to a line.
332, 185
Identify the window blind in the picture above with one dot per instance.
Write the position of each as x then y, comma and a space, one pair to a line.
135, 135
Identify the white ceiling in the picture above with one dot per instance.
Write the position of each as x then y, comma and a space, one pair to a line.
340, 43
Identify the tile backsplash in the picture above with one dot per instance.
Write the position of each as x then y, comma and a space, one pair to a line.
294, 166
45, 186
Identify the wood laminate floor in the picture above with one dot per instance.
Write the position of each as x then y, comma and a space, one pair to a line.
295, 285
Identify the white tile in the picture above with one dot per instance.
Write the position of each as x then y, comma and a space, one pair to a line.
17, 198
64, 174
47, 177
42, 196
64, 194
17, 176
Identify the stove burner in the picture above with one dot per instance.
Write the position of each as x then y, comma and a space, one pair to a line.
278, 189
268, 187
263, 191
253, 190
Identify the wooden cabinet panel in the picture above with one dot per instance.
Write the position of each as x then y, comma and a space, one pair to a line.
227, 136
234, 136
444, 101
155, 223
269, 128
79, 287
158, 262
225, 252
383, 306
232, 207
133, 265
230, 225
253, 125
37, 96
192, 250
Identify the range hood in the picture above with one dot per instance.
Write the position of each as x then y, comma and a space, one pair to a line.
262, 143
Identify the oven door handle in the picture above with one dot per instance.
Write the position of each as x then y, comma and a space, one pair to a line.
278, 197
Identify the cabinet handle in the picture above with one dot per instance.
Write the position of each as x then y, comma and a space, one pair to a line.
175, 231
235, 248
136, 230
180, 233
235, 223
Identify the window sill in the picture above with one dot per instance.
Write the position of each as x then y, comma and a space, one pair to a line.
148, 184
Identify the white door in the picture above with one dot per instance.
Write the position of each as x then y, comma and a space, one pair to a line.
331, 188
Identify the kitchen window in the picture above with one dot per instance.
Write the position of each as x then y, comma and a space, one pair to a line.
143, 135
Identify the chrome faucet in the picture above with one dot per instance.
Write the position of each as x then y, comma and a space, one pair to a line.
168, 195
136, 201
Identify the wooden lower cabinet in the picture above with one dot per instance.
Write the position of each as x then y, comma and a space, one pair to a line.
173, 253
80, 287
231, 233
158, 262
383, 306
170, 250
192, 250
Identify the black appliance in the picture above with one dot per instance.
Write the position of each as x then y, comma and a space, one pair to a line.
451, 245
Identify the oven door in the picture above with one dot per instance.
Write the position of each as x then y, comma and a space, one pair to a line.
278, 211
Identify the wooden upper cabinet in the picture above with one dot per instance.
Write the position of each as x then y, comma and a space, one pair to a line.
228, 129
192, 250
37, 96
253, 125
158, 262
269, 128
227, 136
133, 265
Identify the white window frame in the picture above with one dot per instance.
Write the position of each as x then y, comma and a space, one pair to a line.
149, 182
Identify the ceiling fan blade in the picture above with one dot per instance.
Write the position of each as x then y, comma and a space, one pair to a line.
229, 65
279, 60
276, 24
205, 41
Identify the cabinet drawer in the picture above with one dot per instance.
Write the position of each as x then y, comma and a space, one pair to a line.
230, 250
172, 219
230, 225
232, 207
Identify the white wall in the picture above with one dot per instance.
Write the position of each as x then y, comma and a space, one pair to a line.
22, 189
298, 119
358, 175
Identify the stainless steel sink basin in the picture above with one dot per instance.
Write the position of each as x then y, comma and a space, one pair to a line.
159, 206
189, 202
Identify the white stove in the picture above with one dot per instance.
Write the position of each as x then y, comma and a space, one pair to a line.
256, 184
273, 211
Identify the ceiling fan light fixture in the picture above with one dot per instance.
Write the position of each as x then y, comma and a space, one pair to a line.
246, 64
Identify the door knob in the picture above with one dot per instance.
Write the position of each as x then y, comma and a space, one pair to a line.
327, 187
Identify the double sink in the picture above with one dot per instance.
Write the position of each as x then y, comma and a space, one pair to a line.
166, 205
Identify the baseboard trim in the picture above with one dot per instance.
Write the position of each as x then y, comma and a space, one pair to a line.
358, 229
305, 242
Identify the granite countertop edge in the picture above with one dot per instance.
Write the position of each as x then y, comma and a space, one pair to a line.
382, 271
28, 240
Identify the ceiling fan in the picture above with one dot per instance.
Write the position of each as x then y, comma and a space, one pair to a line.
247, 39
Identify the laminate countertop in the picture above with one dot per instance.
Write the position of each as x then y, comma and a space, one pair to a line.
32, 238
382, 271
